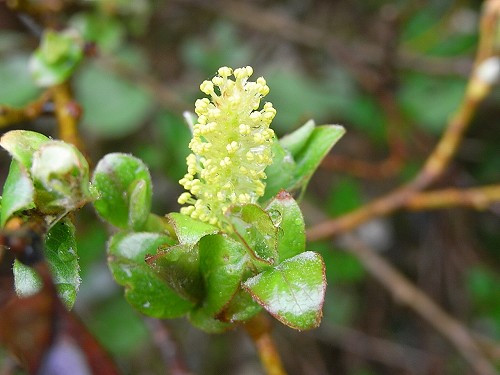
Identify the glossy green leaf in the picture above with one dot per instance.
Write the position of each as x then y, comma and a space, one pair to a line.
295, 141
280, 173
222, 263
188, 230
18, 192
315, 149
293, 292
144, 289
179, 267
256, 230
139, 203
22, 144
60, 251
60, 175
123, 184
286, 215
241, 308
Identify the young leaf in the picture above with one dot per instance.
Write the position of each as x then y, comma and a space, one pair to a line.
188, 230
280, 173
60, 251
57, 57
256, 230
295, 142
22, 144
60, 175
293, 292
124, 187
179, 267
319, 143
18, 192
222, 263
144, 289
286, 215
241, 308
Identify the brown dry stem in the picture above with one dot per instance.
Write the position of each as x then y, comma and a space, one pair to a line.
404, 292
439, 159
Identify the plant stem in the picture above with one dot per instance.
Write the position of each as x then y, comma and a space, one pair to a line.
259, 329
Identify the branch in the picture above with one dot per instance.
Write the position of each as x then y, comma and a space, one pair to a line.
259, 329
404, 292
477, 89
68, 113
391, 354
11, 115
479, 198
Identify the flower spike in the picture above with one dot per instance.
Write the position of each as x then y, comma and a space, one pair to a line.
231, 146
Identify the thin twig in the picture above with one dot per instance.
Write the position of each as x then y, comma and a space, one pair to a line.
413, 361
479, 198
259, 329
364, 169
68, 113
404, 292
436, 163
12, 115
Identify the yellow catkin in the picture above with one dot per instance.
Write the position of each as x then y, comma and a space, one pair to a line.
231, 146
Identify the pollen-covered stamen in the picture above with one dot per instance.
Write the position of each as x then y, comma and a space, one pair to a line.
231, 146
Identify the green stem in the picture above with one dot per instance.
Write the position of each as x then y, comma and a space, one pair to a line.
259, 329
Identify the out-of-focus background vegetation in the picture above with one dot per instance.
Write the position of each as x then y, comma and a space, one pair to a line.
391, 72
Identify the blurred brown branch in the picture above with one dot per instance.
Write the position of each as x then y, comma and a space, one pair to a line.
404, 292
479, 198
411, 360
436, 163
12, 115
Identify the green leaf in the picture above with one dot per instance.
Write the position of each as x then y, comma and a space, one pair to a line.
124, 114
188, 230
280, 173
222, 263
429, 101
17, 88
256, 230
18, 192
286, 215
57, 57
315, 149
60, 175
295, 142
241, 308
22, 144
60, 251
345, 196
144, 289
139, 203
179, 267
124, 187
293, 292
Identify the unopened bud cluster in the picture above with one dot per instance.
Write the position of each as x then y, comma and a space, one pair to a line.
231, 146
